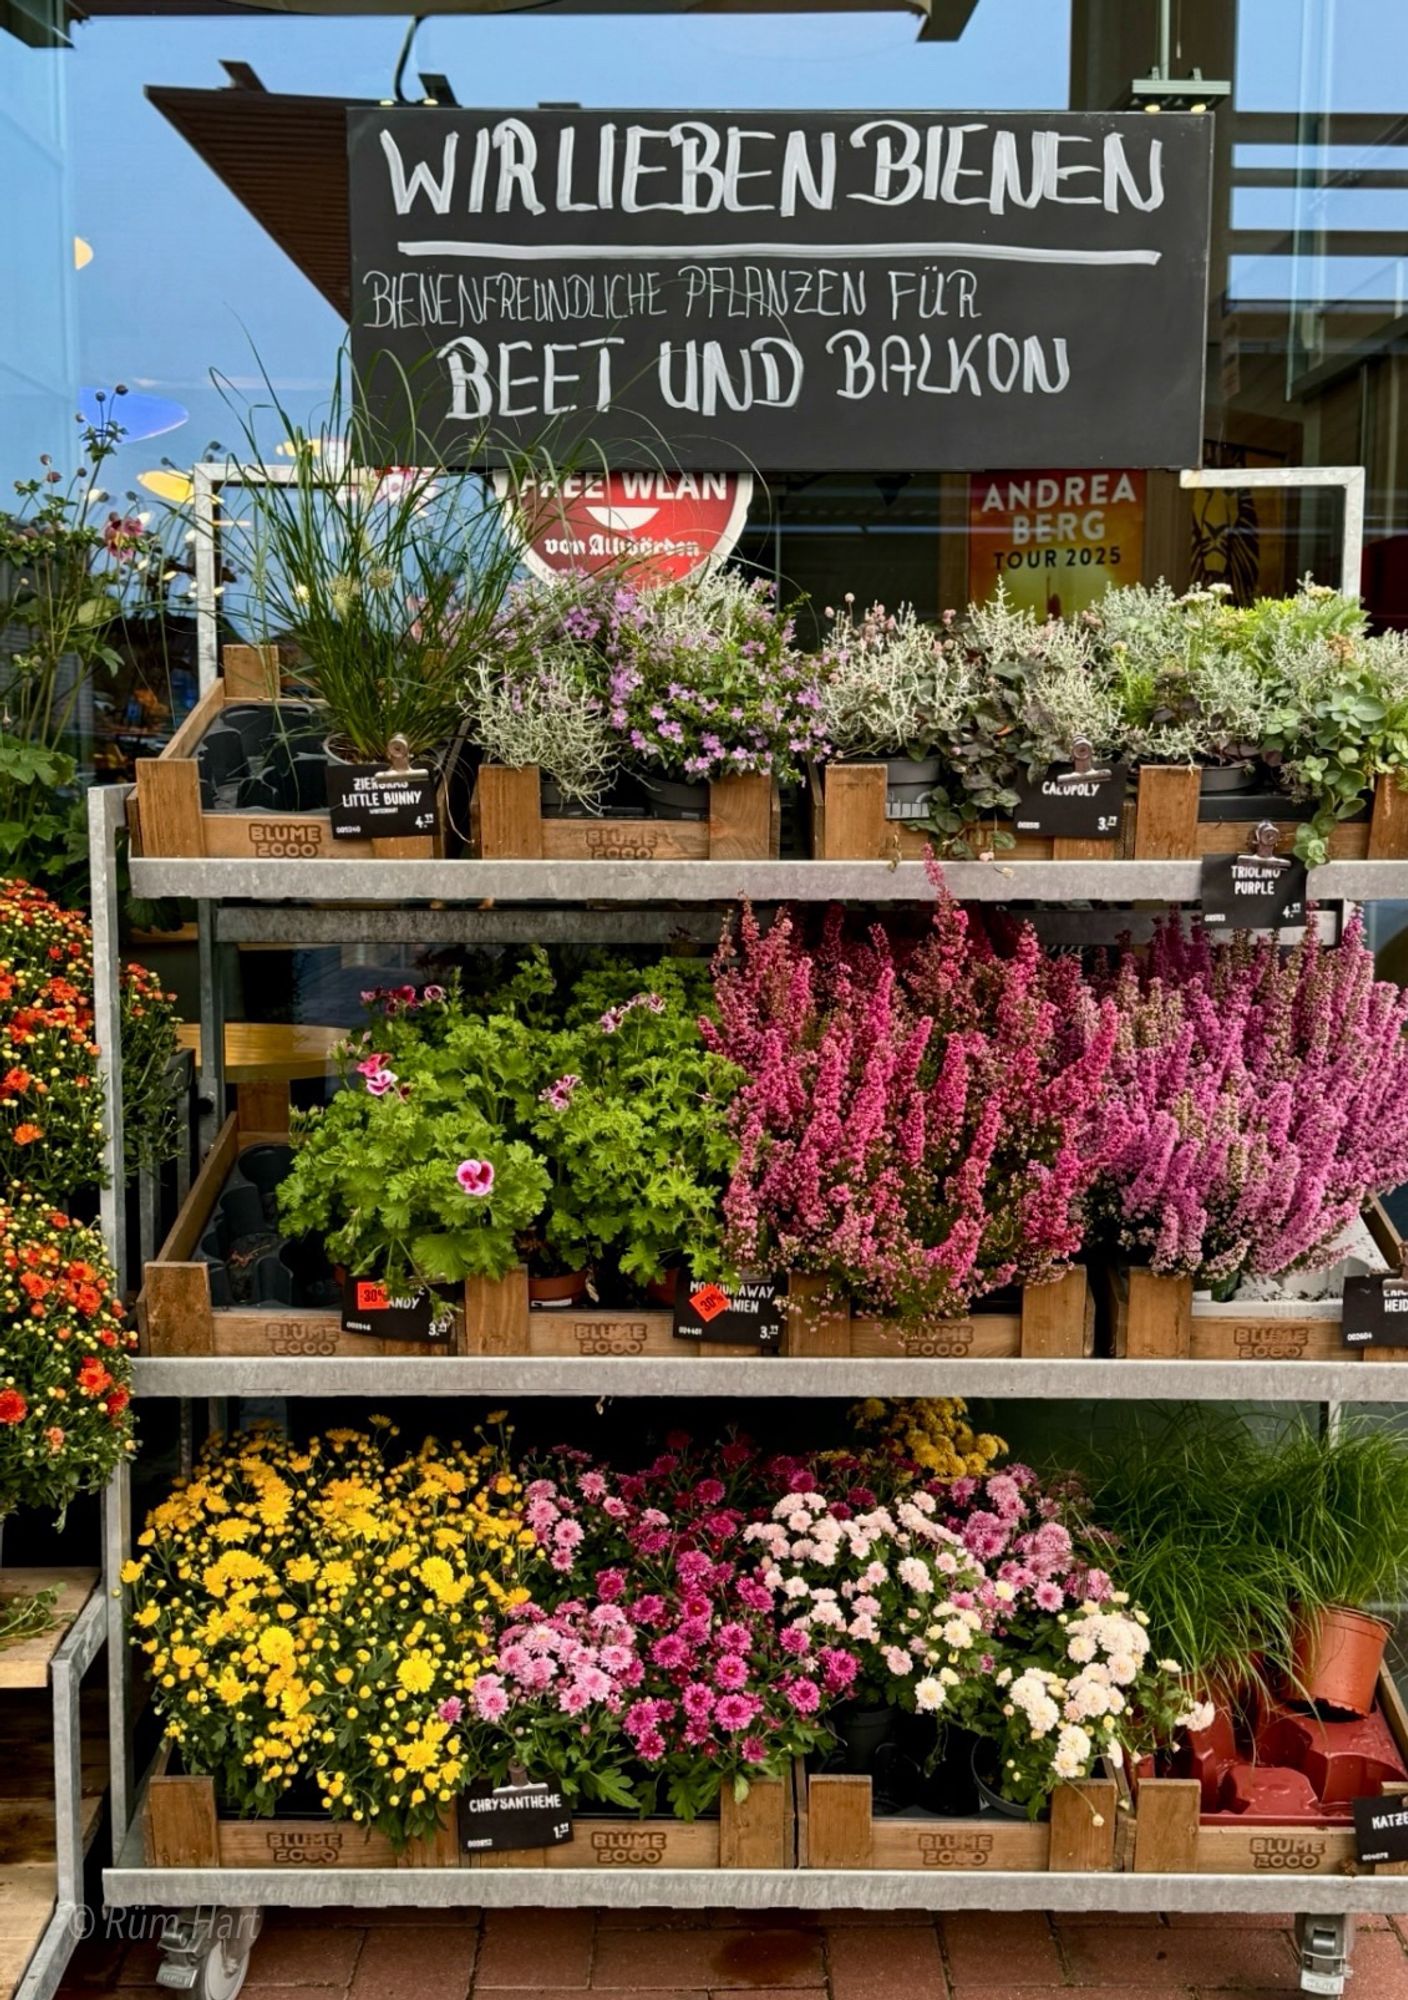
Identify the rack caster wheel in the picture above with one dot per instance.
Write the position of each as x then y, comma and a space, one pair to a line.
205, 1952
1325, 1944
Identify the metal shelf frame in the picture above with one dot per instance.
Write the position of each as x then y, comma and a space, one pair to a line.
284, 901
774, 1377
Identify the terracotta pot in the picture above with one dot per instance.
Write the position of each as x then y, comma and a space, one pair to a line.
567, 1288
664, 1290
1337, 1658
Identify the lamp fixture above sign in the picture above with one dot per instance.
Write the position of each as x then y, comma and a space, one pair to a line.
785, 290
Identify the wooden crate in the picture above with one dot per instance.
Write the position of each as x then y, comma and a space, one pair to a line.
1169, 1837
175, 1314
1167, 826
501, 1320
758, 1832
168, 819
1054, 1319
183, 1828
837, 1828
508, 824
849, 823
1158, 1319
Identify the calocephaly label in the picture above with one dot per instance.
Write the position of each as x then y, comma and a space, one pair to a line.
1072, 804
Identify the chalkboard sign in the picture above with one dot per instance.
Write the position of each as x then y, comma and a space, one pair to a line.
1375, 1312
497, 1817
793, 290
1073, 804
367, 801
1252, 892
751, 1312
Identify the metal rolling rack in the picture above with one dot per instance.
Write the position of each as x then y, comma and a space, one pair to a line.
516, 901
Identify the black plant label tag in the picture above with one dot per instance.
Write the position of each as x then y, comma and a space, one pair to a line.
500, 1816
367, 1307
367, 801
1248, 893
1072, 805
751, 1313
1375, 1312
1380, 1829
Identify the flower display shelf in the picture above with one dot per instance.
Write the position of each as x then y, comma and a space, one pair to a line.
1157, 1319
183, 1828
176, 1313
508, 824
838, 1828
1173, 1833
1166, 820
171, 821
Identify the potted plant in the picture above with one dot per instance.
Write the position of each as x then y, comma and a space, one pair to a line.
353, 1698
893, 689
413, 1174
1340, 721
909, 1126
65, 1373
1254, 1102
709, 684
384, 579
1338, 1507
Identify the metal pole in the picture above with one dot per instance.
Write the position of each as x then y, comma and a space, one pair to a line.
210, 1091
205, 481
117, 1538
106, 809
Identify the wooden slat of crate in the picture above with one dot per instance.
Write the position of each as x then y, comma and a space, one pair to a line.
170, 820
174, 1310
1055, 1319
840, 1831
755, 1832
1168, 826
25, 1663
509, 824
849, 823
500, 1320
1169, 1834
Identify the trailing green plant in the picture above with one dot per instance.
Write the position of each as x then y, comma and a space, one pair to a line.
1339, 722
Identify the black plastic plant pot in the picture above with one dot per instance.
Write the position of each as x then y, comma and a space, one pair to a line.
862, 1731
673, 798
250, 1261
262, 756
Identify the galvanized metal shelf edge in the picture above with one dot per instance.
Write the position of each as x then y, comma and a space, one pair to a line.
693, 1374
743, 1889
470, 881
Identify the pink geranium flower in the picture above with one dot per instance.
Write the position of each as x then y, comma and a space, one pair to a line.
476, 1177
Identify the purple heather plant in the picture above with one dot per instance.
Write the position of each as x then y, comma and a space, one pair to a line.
1255, 1101
708, 683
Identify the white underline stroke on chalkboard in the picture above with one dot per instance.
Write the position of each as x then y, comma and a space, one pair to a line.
1008, 253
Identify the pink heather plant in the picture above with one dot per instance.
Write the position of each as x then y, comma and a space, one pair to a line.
910, 1125
1255, 1101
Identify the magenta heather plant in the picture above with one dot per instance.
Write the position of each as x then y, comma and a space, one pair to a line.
909, 1125
1255, 1101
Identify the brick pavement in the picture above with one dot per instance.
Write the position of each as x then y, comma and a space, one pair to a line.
706, 1955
